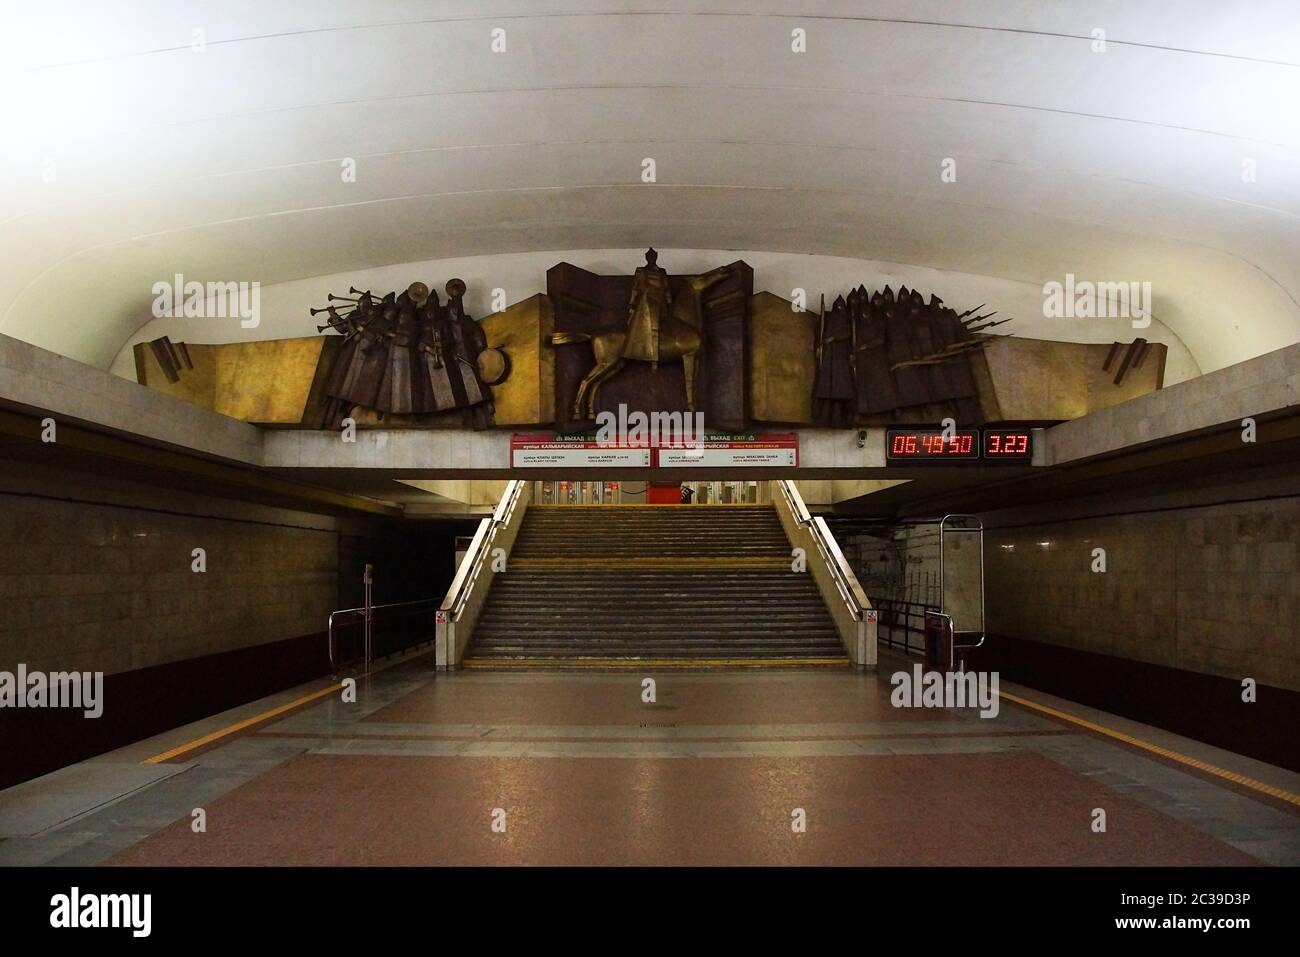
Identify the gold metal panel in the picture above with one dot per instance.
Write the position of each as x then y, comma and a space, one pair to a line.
269, 381
988, 396
523, 332
1043, 379
783, 360
266, 381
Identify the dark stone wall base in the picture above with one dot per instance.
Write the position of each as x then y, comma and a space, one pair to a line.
1203, 707
139, 704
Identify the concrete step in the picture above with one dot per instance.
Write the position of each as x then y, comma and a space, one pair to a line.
650, 574
528, 604
633, 580
754, 609
594, 640
632, 549
659, 602
656, 653
589, 580
503, 645
787, 626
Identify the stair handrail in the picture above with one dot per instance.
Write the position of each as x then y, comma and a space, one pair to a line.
845, 581
480, 548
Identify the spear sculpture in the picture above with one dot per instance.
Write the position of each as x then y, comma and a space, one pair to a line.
821, 330
958, 348
989, 325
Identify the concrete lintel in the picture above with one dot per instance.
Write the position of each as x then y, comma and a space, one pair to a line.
487, 454
1259, 387
35, 379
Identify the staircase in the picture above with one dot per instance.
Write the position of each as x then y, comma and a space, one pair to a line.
690, 584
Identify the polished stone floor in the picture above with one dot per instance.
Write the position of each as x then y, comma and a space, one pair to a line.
576, 768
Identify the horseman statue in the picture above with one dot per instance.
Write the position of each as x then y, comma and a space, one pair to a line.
660, 329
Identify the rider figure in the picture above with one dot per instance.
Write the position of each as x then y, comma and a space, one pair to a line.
648, 306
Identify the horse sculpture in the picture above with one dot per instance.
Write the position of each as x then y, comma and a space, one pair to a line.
659, 328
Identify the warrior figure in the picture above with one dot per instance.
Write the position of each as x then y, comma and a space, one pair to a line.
648, 306
468, 340
398, 388
876, 394
833, 394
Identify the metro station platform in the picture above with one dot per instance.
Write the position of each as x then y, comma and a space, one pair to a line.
558, 436
581, 771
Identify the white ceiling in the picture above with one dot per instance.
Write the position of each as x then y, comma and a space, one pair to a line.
225, 164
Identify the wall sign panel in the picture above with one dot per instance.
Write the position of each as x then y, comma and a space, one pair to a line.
722, 451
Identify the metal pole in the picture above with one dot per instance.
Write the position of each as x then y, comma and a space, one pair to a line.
369, 579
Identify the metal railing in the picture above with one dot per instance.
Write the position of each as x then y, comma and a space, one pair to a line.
846, 583
897, 616
455, 621
377, 631
479, 550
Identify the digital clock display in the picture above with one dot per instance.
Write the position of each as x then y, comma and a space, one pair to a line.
931, 444
1008, 444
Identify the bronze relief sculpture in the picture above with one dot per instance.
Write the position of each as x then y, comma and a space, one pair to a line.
673, 330
652, 342
909, 359
833, 391
659, 329
406, 354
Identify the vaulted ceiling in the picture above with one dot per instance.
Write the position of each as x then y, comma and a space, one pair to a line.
209, 139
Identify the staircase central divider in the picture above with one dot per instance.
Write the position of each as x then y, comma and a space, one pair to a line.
847, 603
460, 609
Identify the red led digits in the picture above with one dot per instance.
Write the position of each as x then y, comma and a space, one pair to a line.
926, 444
1006, 445
963, 445
901, 444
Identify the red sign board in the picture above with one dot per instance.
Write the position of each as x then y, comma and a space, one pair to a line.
543, 450
550, 451
766, 450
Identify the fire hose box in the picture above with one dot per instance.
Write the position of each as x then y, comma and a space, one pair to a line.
938, 642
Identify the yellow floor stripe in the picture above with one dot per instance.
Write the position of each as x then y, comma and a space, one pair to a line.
239, 726
652, 662
1241, 779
